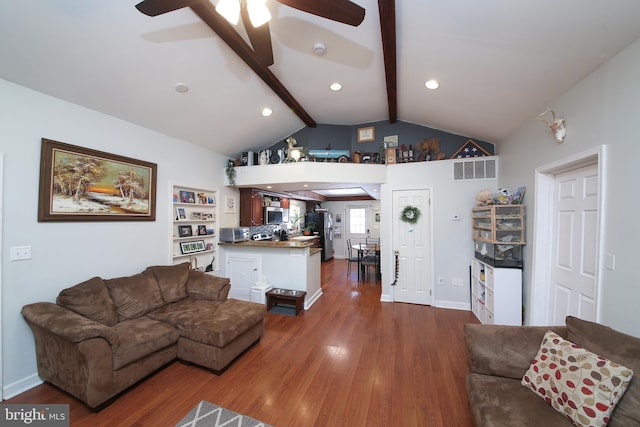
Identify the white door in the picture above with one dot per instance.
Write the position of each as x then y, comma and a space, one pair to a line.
575, 245
413, 242
244, 272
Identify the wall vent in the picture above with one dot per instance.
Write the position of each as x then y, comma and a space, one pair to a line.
466, 170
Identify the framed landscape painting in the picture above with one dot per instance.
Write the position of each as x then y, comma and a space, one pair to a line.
81, 184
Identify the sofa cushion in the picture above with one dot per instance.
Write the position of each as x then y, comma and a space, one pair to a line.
141, 337
90, 299
499, 401
134, 295
172, 280
211, 322
581, 385
205, 286
618, 347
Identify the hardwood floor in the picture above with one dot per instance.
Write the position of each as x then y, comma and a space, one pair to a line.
349, 360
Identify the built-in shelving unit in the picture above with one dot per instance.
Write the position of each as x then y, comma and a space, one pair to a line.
194, 233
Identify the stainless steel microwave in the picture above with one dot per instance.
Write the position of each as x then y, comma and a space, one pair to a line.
273, 215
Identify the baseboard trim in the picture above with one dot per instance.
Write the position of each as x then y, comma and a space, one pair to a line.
19, 387
453, 305
309, 302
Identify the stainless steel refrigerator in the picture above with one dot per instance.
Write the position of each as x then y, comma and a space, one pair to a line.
323, 226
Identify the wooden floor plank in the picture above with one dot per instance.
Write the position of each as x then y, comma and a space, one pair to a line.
350, 360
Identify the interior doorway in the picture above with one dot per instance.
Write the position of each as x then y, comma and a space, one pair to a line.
414, 245
558, 217
574, 251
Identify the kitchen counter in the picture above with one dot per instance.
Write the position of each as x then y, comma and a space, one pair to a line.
286, 244
289, 264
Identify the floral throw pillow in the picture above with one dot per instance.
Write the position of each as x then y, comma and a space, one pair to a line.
576, 382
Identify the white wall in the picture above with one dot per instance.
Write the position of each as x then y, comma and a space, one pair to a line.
453, 247
67, 253
604, 108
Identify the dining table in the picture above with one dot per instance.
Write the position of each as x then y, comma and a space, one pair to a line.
366, 247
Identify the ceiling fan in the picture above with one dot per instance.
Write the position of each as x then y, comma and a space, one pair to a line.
343, 11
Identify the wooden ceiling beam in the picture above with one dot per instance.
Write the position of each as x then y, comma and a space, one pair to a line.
207, 12
387, 12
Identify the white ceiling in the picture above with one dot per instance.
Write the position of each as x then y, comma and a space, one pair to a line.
499, 63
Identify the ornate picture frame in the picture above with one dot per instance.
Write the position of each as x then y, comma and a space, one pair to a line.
81, 184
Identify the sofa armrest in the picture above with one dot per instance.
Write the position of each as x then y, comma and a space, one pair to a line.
65, 323
504, 351
205, 286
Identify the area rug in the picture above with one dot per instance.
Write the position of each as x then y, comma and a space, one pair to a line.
207, 414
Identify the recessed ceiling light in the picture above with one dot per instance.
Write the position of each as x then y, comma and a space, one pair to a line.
432, 84
269, 187
182, 87
266, 112
335, 86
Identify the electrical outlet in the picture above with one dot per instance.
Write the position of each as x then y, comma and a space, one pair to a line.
454, 281
20, 253
460, 281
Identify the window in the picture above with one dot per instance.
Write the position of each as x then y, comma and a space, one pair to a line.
357, 220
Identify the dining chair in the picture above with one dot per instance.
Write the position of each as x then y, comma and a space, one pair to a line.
352, 259
369, 258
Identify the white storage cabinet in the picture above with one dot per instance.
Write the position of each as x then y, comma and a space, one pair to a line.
496, 294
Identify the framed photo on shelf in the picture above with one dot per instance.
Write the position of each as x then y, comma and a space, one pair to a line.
80, 184
202, 230
196, 215
181, 214
185, 231
192, 247
187, 197
366, 134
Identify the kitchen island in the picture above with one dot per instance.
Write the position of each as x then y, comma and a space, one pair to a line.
291, 264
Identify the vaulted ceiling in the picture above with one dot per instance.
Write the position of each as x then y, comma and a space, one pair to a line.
499, 62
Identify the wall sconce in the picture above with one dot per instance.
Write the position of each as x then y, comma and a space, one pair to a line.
557, 125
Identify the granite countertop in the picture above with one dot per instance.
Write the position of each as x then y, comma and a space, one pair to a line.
287, 244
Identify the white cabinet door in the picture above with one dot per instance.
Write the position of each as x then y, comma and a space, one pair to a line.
244, 272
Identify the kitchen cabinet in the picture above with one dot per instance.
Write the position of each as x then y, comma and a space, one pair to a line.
251, 209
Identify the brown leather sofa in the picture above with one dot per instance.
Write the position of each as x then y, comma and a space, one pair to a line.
103, 336
499, 356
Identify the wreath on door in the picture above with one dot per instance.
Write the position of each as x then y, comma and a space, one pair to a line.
410, 214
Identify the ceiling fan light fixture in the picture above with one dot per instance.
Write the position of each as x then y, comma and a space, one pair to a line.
258, 12
230, 10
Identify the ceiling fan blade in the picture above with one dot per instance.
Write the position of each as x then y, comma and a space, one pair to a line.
260, 38
158, 7
337, 10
